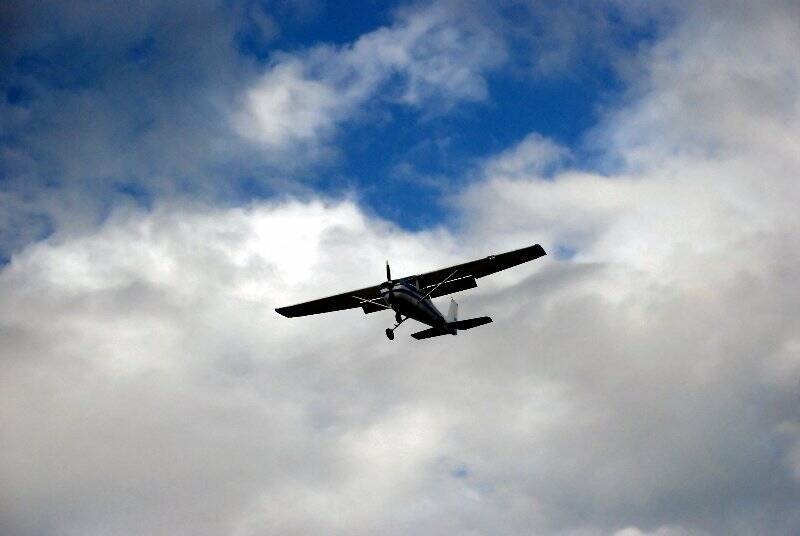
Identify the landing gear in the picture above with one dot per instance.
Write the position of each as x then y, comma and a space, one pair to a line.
399, 320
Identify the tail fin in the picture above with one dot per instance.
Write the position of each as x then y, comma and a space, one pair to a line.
452, 313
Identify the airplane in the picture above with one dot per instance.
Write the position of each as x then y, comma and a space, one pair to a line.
410, 297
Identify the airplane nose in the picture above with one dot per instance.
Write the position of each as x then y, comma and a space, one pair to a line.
386, 294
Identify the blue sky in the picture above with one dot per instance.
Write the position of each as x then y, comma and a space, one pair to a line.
173, 171
401, 159
397, 163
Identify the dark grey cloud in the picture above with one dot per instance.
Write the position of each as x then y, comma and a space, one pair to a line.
118, 103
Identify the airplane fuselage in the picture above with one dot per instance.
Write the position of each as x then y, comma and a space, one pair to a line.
405, 299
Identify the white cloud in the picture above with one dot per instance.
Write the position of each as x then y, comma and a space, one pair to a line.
721, 82
289, 108
429, 55
646, 387
533, 156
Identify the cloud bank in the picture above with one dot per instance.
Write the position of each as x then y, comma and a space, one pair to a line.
641, 379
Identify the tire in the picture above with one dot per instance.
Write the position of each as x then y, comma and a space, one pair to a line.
390, 334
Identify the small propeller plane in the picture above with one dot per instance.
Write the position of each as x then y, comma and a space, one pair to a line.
410, 297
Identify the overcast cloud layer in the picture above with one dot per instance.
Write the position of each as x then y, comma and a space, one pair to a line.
641, 379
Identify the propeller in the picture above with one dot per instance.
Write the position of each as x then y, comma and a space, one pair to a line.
387, 286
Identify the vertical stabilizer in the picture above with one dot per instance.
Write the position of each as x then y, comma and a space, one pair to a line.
452, 313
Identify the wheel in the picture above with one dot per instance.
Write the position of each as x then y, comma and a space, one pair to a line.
390, 334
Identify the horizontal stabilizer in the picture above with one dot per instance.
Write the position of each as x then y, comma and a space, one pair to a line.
469, 323
428, 333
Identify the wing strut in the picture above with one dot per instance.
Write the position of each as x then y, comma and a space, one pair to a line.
438, 285
373, 302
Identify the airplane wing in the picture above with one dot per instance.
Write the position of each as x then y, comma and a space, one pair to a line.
346, 300
368, 298
481, 267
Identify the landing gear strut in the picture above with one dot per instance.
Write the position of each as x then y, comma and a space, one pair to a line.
390, 331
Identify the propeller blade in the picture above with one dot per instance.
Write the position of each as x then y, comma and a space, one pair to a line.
388, 272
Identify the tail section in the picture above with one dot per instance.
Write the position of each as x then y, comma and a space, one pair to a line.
428, 333
452, 313
469, 323
453, 327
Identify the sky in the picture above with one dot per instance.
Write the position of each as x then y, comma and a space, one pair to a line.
170, 172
